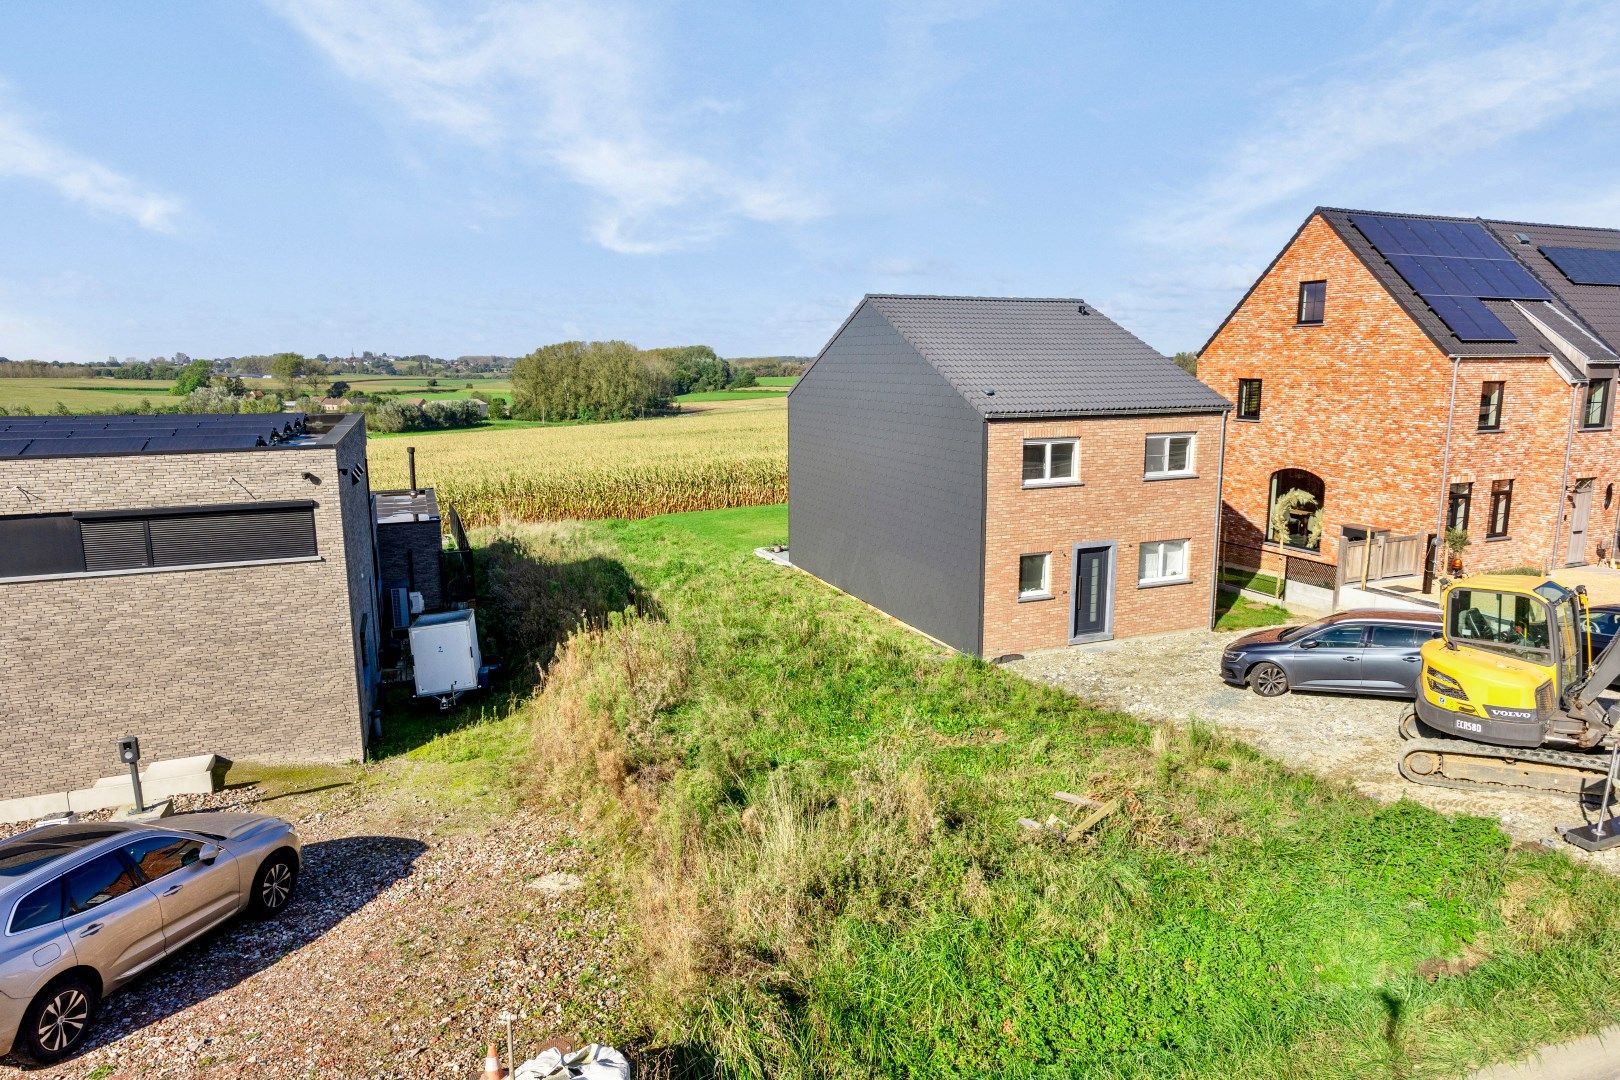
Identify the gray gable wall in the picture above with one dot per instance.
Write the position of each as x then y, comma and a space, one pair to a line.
886, 481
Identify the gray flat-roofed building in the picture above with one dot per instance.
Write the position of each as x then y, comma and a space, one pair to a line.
219, 595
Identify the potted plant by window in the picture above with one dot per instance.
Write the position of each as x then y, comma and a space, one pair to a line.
1456, 542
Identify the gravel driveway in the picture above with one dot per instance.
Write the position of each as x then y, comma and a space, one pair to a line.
393, 960
1174, 678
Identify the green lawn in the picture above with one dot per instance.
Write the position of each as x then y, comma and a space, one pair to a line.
812, 813
1253, 580
778, 380
1234, 612
727, 395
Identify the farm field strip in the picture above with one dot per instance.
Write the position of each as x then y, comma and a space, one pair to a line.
723, 455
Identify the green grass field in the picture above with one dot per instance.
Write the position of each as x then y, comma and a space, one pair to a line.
784, 381
811, 815
727, 395
42, 395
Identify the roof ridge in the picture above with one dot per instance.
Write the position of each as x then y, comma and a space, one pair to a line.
947, 296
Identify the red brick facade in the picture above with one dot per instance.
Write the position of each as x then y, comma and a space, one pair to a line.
1364, 400
1113, 502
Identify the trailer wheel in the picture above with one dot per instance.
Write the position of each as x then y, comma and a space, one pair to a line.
1268, 680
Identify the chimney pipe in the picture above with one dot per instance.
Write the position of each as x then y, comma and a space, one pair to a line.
410, 458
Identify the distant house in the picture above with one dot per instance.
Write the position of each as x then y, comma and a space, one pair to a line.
1398, 375
417, 401
336, 404
1005, 475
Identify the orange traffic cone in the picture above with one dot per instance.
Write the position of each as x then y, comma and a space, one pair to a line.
492, 1064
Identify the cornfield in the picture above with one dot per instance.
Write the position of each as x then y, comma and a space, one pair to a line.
727, 456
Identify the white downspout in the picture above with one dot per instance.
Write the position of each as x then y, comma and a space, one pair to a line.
1445, 466
1215, 556
1563, 485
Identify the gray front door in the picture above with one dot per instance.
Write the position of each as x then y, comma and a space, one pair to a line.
1093, 615
1580, 516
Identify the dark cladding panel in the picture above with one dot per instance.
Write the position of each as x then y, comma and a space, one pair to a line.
886, 474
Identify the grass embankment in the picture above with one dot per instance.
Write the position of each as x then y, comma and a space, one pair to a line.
723, 457
815, 812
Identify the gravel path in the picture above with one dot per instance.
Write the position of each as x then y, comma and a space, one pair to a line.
1174, 678
398, 952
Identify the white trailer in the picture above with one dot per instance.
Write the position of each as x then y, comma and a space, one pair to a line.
444, 654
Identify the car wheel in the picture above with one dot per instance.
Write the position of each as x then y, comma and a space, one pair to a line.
56, 1021
1268, 680
274, 884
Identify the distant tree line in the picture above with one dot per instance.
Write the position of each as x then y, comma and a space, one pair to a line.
614, 380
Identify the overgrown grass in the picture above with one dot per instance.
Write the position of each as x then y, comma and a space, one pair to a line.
815, 817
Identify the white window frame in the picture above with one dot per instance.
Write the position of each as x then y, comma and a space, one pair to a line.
1045, 591
1049, 480
1186, 562
1168, 473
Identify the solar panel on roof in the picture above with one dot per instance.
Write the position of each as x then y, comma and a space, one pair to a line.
216, 441
1586, 266
50, 447
12, 447
1453, 266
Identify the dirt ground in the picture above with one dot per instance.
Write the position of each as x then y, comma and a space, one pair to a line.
1175, 678
402, 946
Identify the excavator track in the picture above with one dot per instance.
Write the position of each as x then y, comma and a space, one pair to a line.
1458, 763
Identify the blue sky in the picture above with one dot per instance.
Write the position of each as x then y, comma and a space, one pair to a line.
478, 177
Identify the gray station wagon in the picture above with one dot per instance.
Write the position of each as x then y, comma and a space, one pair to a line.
1354, 652
87, 906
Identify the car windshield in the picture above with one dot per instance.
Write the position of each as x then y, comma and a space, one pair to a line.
1300, 631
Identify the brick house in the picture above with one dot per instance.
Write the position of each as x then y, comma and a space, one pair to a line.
1005, 475
1398, 375
205, 583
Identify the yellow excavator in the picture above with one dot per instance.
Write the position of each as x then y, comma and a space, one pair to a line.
1509, 695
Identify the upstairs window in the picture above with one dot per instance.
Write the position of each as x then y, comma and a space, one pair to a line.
1501, 508
1490, 407
1312, 301
1049, 462
1248, 399
1596, 414
1168, 456
1035, 576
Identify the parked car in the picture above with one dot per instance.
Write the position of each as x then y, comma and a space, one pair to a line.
89, 905
1602, 623
1353, 652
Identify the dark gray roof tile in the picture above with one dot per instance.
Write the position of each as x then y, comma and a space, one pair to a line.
1042, 357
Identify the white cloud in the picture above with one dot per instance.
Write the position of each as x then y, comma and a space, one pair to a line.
28, 155
1408, 109
1418, 124
565, 80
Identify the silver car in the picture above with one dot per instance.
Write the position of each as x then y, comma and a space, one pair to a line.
86, 906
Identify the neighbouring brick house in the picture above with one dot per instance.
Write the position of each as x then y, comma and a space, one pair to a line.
1005, 475
1396, 375
167, 578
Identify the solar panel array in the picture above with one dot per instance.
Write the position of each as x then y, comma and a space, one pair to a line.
89, 436
1454, 266
1586, 266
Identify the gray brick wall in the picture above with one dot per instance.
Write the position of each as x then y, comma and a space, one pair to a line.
257, 663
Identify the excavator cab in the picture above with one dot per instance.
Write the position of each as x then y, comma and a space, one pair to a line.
1512, 651
1509, 694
